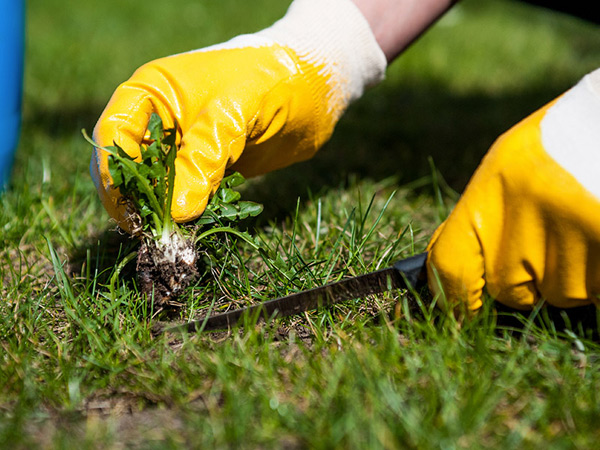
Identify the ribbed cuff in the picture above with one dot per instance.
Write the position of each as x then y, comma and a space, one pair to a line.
570, 132
593, 81
333, 35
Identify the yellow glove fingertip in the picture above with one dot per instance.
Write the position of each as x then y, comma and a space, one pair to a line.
455, 269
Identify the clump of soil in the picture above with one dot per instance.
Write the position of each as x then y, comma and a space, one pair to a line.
165, 269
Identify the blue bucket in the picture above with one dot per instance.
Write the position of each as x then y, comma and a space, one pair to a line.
12, 40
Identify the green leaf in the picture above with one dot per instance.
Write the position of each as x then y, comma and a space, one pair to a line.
144, 209
227, 195
249, 209
151, 153
115, 172
155, 127
144, 170
128, 177
228, 212
170, 137
208, 218
234, 180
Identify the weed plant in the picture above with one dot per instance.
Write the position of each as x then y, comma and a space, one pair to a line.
167, 259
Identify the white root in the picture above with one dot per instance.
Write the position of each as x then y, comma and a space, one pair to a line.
173, 245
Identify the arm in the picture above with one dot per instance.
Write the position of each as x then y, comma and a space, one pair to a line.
397, 23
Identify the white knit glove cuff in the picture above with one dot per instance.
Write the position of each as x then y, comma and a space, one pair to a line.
570, 132
335, 35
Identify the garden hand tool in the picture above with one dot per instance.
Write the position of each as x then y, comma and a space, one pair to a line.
408, 273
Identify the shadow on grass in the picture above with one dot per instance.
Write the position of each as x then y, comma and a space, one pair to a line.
582, 321
101, 253
392, 132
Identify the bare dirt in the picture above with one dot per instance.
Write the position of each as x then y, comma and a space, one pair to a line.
164, 278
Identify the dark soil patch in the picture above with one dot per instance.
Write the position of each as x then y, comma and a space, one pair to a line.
164, 278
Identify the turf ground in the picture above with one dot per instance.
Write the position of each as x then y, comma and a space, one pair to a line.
79, 365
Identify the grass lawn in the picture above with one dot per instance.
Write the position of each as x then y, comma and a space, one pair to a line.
79, 364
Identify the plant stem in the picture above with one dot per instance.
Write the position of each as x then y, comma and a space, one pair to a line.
228, 230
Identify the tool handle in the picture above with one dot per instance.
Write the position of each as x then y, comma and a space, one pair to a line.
414, 270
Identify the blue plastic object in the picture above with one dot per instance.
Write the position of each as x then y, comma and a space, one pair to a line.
12, 48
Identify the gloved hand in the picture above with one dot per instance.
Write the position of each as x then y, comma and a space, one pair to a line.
256, 103
528, 224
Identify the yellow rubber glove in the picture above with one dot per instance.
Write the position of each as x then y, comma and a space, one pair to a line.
528, 224
254, 104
